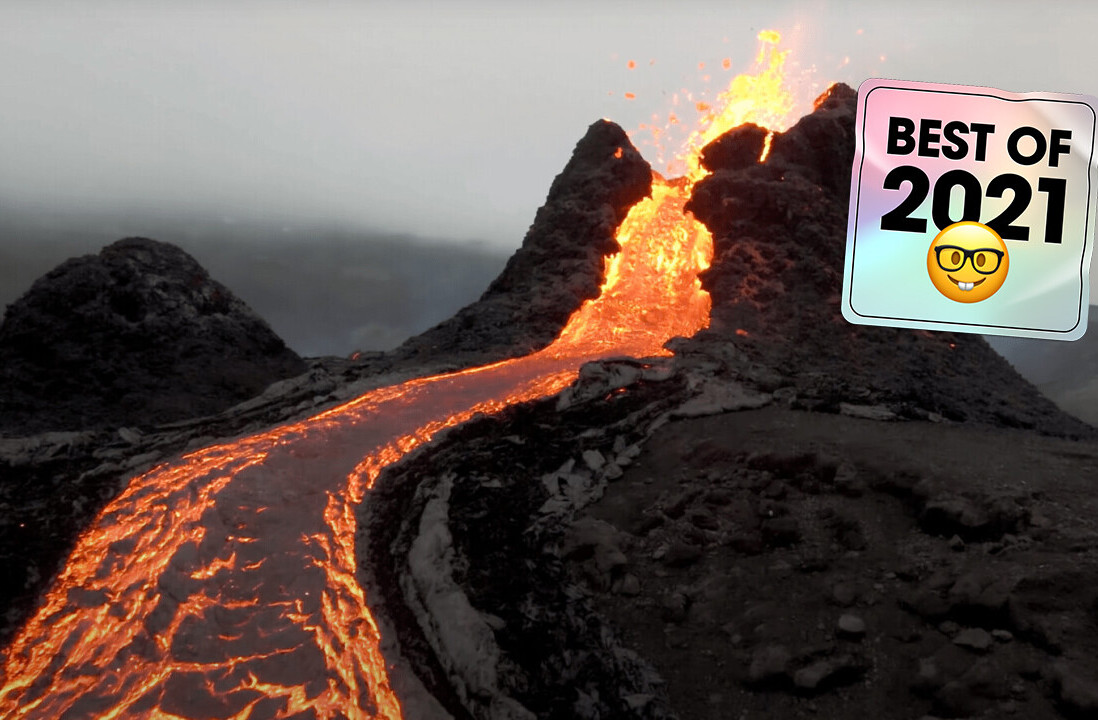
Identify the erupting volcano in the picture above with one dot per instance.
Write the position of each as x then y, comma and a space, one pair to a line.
222, 584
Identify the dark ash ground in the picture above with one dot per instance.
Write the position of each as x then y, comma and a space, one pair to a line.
764, 563
964, 560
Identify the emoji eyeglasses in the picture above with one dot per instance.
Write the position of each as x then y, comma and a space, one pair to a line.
984, 260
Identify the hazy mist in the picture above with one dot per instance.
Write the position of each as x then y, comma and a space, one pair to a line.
324, 291
385, 120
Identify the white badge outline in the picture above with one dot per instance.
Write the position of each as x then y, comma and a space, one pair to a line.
846, 300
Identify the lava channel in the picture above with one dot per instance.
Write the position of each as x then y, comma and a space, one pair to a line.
222, 584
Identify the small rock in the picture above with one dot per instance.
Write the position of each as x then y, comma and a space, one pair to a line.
851, 626
647, 523
1004, 636
954, 515
594, 459
785, 395
929, 677
130, 435
988, 678
940, 580
718, 496
906, 634
966, 590
677, 507
613, 471
908, 571
949, 627
760, 612
630, 585
957, 699
679, 554
745, 541
567, 468
780, 532
847, 481
142, 459
780, 568
867, 412
808, 678
674, 607
494, 621
597, 539
776, 490
704, 520
838, 669
768, 662
1078, 689
956, 544
814, 560
843, 594
976, 639
953, 661
675, 638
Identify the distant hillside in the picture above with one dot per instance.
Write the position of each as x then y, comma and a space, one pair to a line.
1067, 372
138, 334
325, 291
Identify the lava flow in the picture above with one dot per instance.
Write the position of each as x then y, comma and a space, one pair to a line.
222, 585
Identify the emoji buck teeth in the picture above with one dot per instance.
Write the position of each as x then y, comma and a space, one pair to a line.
967, 262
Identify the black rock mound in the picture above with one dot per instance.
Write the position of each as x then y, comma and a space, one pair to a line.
779, 232
560, 263
137, 335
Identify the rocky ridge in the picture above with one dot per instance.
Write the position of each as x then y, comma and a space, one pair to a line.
56, 480
136, 335
779, 235
793, 517
559, 265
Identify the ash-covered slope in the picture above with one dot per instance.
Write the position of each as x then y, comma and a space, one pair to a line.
136, 335
779, 232
1066, 372
55, 483
770, 562
560, 263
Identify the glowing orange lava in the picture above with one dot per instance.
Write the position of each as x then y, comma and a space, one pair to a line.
223, 585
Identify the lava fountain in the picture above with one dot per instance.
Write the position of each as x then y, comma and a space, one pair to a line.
222, 584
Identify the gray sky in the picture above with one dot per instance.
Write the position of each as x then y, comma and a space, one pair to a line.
447, 120
247, 122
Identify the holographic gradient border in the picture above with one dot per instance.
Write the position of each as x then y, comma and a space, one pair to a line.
855, 202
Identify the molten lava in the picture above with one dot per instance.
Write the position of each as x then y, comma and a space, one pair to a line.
223, 585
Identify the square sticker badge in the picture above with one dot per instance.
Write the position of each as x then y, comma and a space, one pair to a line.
971, 210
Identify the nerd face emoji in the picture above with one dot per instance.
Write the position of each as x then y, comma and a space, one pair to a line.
967, 262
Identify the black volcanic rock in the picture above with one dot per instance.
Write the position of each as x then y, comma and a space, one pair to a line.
779, 232
137, 335
560, 263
